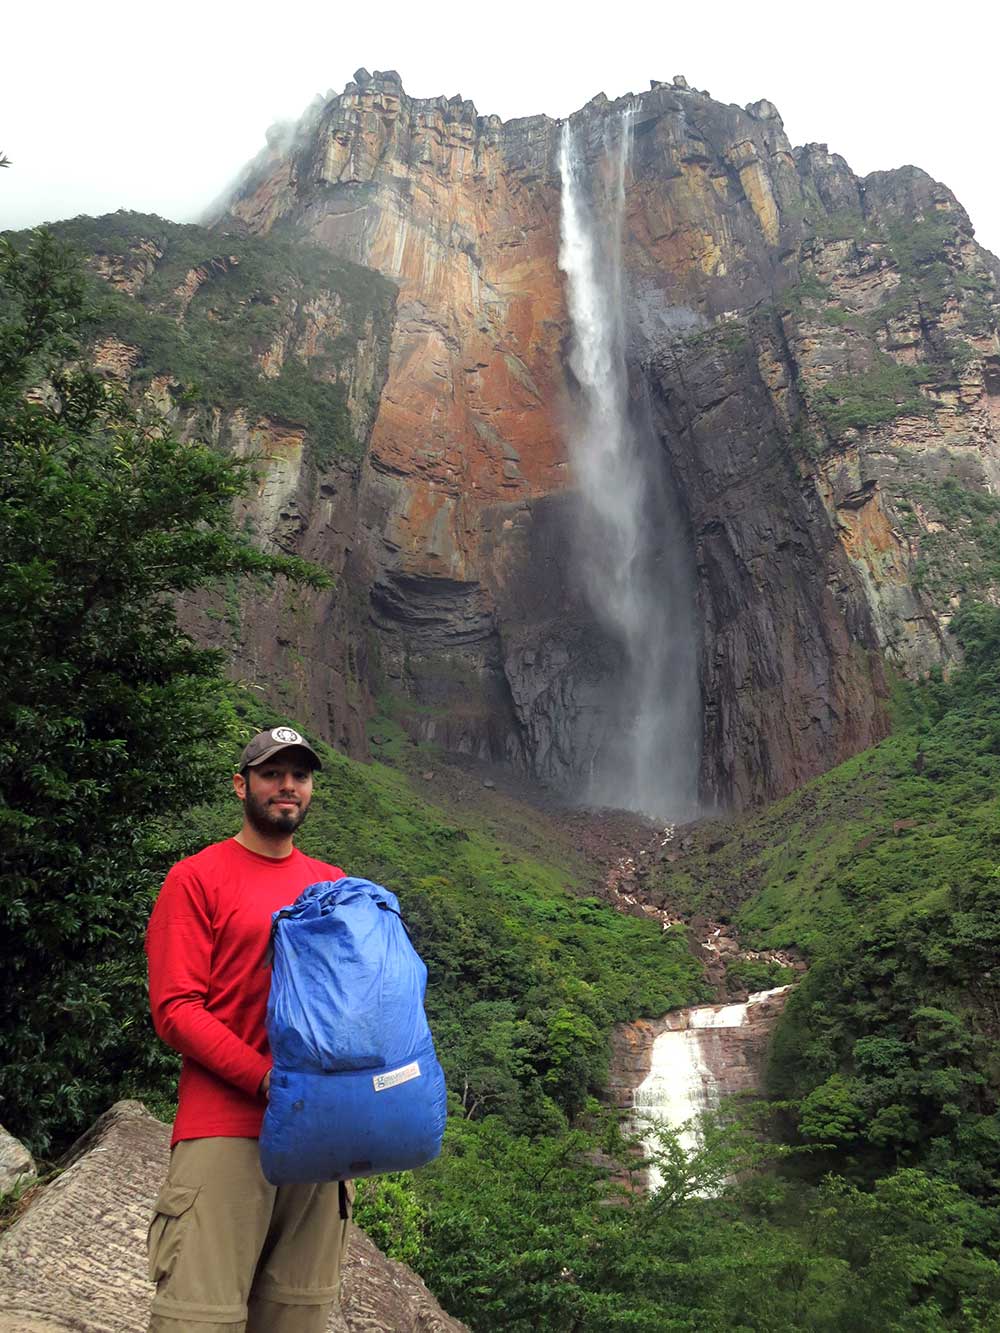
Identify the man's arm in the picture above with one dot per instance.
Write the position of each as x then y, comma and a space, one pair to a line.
179, 949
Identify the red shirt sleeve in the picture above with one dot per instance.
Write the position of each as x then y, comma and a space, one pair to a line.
179, 950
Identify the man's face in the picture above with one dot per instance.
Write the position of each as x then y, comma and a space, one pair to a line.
276, 793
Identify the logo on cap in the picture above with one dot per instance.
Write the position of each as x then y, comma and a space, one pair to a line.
286, 735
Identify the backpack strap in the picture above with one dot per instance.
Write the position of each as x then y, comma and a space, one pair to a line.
280, 916
384, 907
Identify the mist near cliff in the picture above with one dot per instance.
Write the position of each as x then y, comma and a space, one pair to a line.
136, 110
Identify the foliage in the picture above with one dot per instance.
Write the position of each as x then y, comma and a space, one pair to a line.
109, 714
844, 225
750, 974
920, 249
871, 397
547, 1233
886, 872
391, 1213
964, 558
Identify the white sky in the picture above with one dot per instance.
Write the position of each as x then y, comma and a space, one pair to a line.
156, 107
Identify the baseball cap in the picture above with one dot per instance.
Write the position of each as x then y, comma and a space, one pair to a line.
268, 743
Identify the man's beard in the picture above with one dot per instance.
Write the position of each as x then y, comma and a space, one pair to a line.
268, 821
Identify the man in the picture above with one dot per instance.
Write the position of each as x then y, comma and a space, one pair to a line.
228, 1252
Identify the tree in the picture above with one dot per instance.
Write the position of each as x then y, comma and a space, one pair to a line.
110, 715
389, 1209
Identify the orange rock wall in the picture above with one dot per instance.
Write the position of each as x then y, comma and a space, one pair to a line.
735, 249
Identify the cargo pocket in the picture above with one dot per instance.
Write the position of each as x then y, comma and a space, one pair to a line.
171, 1213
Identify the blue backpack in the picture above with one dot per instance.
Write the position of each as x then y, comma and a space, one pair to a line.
356, 1087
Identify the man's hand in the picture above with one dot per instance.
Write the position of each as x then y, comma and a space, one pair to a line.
265, 1084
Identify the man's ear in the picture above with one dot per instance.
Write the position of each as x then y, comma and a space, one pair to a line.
240, 786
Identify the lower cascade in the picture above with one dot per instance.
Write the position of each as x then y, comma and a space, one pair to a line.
704, 1054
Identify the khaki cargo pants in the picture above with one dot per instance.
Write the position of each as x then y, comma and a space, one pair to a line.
230, 1253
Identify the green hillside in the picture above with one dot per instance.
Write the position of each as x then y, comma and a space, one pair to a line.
885, 873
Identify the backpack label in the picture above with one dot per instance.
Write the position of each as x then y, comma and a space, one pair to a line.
396, 1076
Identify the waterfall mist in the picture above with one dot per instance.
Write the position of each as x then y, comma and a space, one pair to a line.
637, 570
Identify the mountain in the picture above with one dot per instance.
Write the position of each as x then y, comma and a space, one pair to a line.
816, 354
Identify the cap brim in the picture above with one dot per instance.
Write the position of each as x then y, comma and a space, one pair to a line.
276, 749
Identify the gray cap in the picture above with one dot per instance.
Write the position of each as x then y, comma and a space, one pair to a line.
268, 743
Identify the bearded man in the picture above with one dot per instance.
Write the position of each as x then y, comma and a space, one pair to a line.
228, 1252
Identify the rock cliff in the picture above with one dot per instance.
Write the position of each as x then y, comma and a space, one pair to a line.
275, 351
821, 360
818, 355
733, 1044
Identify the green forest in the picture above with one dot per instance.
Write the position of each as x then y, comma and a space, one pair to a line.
861, 1195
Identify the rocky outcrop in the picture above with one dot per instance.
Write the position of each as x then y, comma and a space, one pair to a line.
17, 1166
818, 352
76, 1258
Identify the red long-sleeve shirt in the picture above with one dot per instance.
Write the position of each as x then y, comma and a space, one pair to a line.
209, 979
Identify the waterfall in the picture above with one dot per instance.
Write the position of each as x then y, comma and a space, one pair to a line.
693, 1066
637, 573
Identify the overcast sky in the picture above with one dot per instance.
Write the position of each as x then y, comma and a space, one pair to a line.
156, 108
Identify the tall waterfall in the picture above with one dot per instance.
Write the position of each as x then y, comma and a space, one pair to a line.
637, 573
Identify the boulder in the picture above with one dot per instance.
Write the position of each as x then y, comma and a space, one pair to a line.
76, 1258
16, 1163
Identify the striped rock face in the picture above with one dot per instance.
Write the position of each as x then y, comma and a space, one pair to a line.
816, 355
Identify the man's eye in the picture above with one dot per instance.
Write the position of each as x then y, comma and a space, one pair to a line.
301, 774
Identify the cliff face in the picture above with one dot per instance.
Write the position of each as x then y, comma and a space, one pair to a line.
820, 357
677, 1068
464, 492
276, 352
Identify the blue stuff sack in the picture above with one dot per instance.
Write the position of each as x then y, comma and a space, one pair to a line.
356, 1088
